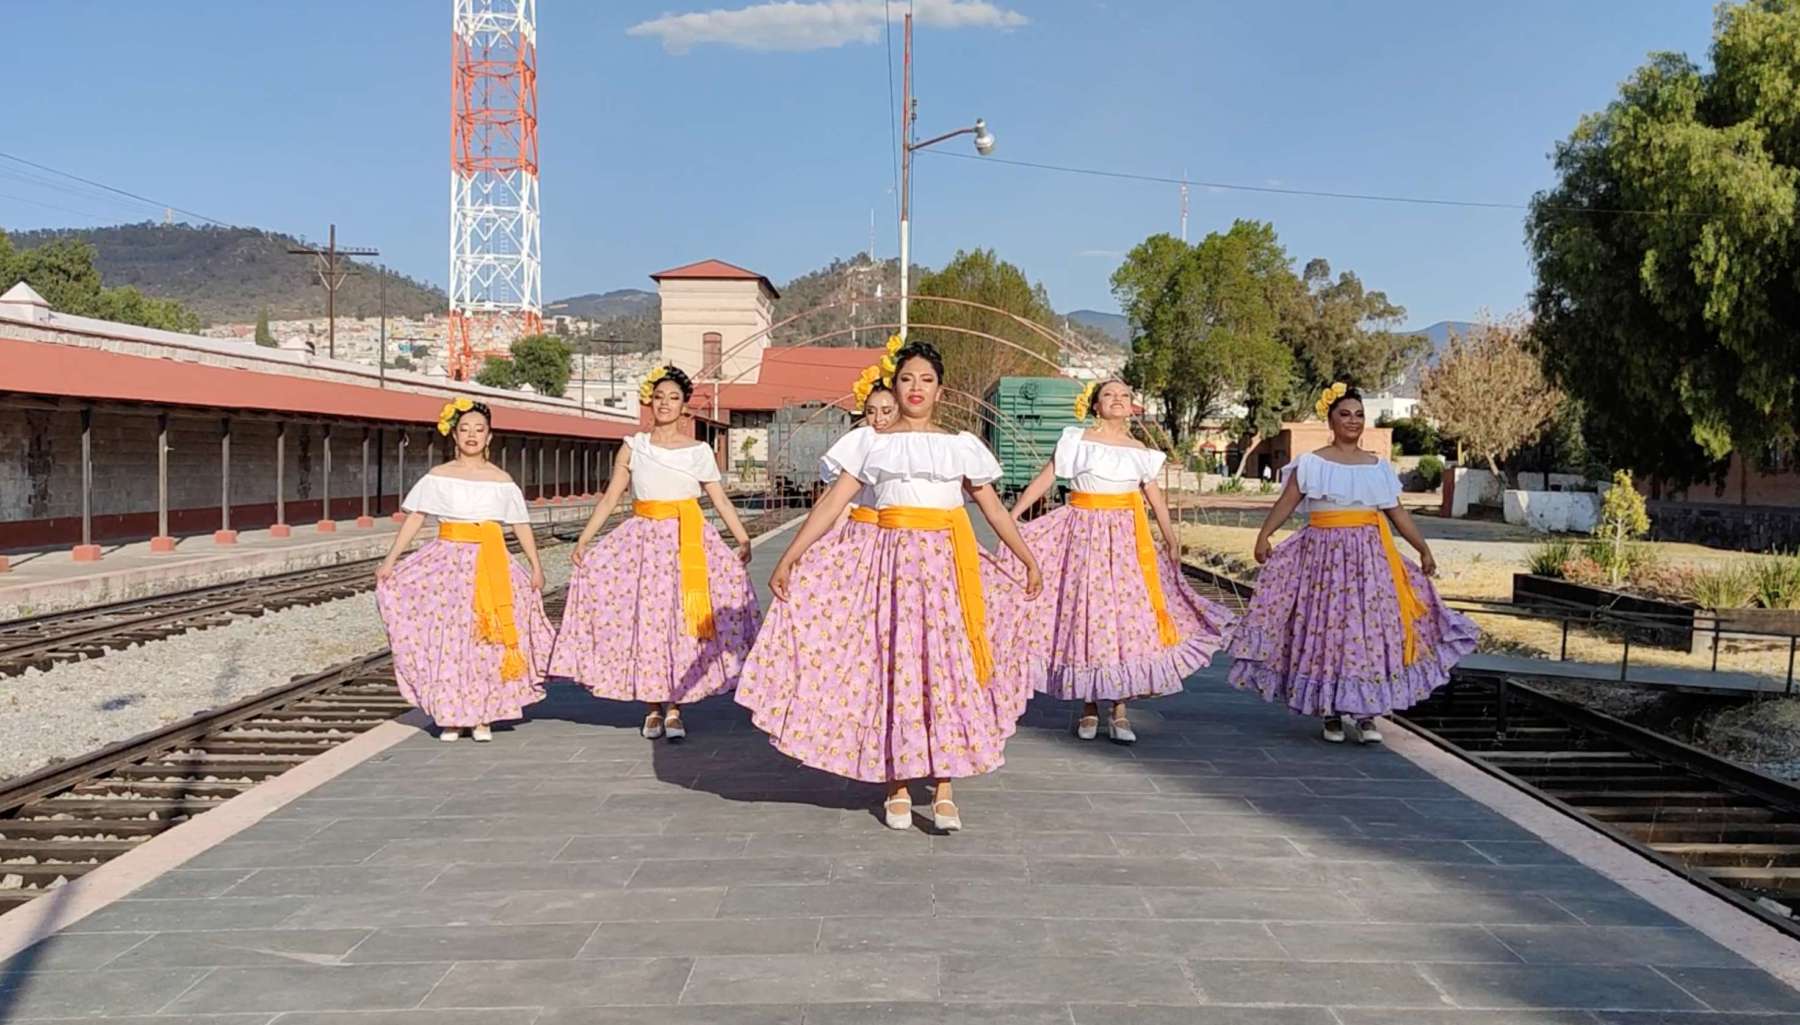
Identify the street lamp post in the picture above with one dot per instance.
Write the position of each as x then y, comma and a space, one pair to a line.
984, 144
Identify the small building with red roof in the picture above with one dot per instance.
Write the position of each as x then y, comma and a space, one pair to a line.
717, 322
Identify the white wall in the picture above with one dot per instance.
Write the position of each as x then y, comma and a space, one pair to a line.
1562, 512
1474, 487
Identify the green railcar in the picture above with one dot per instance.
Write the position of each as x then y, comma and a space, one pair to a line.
1026, 416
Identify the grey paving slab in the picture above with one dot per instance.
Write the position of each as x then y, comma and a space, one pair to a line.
312, 988
336, 880
723, 1014
241, 947
1679, 946
1333, 983
1727, 989
436, 1016
1633, 987
937, 1014
92, 994
471, 943
587, 983
699, 902
279, 854
898, 900
1117, 1014
710, 937
814, 978
194, 913
192, 882
70, 951
1316, 941
982, 978
375, 912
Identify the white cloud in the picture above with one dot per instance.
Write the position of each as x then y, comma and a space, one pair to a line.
790, 25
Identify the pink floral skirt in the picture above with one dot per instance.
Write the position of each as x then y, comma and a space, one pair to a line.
866, 671
441, 666
1323, 634
623, 635
1093, 635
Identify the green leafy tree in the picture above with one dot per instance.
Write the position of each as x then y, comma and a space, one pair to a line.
1205, 324
499, 372
973, 363
1340, 331
1668, 254
263, 336
63, 272
543, 361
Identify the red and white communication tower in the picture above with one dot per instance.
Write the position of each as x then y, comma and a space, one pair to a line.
495, 291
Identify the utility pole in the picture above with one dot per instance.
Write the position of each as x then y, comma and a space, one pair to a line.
381, 359
1184, 205
331, 276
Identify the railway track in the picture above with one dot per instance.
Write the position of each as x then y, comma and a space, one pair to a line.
43, 641
1730, 830
59, 824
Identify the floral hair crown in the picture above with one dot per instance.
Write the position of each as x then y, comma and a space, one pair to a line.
881, 373
647, 387
1084, 399
453, 410
1327, 397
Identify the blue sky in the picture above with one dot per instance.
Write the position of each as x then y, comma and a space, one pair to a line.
290, 116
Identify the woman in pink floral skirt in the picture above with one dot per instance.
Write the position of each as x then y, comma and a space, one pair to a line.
876, 662
1118, 620
659, 610
466, 624
1342, 625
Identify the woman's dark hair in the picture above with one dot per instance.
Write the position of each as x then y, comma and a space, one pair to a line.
1347, 396
681, 379
920, 350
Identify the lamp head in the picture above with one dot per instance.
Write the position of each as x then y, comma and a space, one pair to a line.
984, 139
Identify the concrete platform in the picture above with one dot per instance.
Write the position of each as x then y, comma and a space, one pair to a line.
53, 581
1725, 681
1229, 868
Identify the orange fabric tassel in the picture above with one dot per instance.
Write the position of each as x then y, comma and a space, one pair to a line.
1411, 608
966, 554
1146, 552
696, 598
494, 621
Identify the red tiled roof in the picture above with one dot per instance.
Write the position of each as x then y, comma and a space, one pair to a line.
36, 368
714, 270
791, 374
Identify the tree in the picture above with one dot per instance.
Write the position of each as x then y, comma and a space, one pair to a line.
1623, 517
973, 363
263, 337
1489, 392
1205, 321
1339, 331
63, 272
1668, 255
499, 372
544, 362
747, 456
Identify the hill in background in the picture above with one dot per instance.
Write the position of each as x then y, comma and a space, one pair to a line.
1113, 325
1438, 335
229, 275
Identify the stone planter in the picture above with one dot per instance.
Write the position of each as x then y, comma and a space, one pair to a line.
1671, 624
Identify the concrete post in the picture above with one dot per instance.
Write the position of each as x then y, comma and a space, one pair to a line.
280, 528
326, 524
162, 543
225, 535
87, 550
365, 520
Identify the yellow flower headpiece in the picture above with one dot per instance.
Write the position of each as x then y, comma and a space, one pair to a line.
894, 344
866, 382
1327, 397
1084, 399
648, 386
447, 416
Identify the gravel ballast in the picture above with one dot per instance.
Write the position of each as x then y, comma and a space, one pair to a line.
76, 707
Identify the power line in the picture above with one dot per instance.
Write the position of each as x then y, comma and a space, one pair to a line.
53, 206
1280, 191
119, 191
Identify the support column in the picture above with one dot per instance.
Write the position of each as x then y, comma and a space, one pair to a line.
400, 476
87, 550
225, 535
326, 523
280, 527
365, 520
540, 474
162, 543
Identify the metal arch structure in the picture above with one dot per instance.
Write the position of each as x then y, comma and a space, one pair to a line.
496, 292
1060, 341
